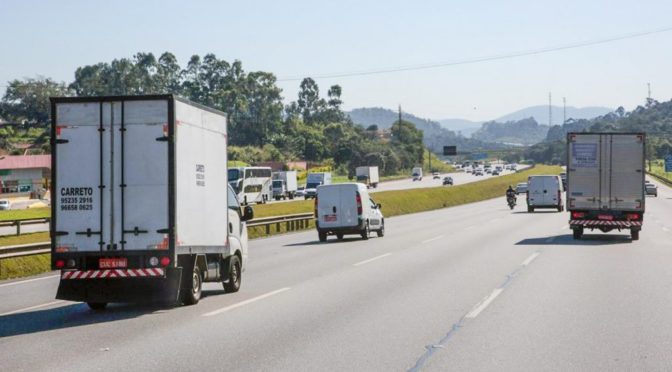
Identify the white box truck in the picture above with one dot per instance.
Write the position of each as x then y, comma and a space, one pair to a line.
416, 173
313, 180
141, 209
605, 182
284, 185
347, 208
367, 176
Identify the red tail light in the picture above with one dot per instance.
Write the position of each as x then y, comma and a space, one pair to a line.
165, 261
59, 264
315, 206
576, 215
359, 204
632, 216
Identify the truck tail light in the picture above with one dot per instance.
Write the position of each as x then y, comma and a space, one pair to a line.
358, 198
632, 216
59, 264
577, 215
165, 261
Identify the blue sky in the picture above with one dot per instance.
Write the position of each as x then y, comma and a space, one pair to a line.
303, 38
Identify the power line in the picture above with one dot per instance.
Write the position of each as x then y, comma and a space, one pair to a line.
427, 66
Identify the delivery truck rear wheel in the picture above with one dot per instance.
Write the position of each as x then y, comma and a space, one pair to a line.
577, 233
322, 236
339, 236
97, 305
634, 234
193, 294
233, 283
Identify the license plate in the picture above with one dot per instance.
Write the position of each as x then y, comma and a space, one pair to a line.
112, 263
330, 218
605, 217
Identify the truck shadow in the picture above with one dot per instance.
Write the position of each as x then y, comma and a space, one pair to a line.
75, 315
587, 239
330, 241
536, 212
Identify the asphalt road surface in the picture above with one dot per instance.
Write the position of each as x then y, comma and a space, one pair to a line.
476, 287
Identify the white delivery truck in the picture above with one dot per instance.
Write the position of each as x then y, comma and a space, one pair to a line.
605, 182
141, 209
417, 174
346, 208
313, 180
284, 185
544, 191
367, 176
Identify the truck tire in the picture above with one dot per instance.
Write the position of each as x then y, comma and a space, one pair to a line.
192, 294
97, 306
365, 232
381, 232
235, 273
322, 236
530, 209
561, 208
577, 233
339, 236
634, 234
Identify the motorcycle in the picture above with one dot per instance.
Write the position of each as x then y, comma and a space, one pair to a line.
512, 201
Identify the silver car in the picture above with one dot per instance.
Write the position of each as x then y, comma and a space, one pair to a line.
5, 205
521, 188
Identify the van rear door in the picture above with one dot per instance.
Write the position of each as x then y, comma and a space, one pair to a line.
348, 211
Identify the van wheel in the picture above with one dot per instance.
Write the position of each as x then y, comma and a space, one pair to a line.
339, 236
634, 234
381, 232
193, 294
233, 283
97, 306
322, 236
561, 208
530, 209
365, 232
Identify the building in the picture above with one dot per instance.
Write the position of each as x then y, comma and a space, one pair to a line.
24, 175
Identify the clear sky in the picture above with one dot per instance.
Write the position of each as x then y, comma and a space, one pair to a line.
303, 38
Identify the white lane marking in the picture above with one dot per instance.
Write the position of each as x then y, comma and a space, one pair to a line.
432, 239
32, 308
371, 259
29, 280
483, 304
530, 259
243, 303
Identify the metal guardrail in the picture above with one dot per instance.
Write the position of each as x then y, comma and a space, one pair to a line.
23, 222
291, 222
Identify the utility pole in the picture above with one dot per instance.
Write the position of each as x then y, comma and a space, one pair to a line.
564, 110
550, 110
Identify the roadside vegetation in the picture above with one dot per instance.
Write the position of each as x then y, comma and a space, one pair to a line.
24, 266
22, 214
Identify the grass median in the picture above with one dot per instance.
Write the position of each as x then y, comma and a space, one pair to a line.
24, 266
22, 214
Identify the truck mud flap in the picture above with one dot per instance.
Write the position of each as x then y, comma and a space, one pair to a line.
133, 290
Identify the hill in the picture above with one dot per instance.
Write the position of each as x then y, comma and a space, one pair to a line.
520, 132
461, 126
540, 113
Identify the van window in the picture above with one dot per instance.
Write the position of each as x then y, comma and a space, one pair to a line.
232, 200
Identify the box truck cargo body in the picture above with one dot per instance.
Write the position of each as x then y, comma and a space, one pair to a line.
605, 181
141, 207
284, 185
367, 176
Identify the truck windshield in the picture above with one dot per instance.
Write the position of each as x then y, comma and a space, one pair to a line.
277, 184
233, 174
312, 185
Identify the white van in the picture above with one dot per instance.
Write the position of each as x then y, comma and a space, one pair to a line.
346, 208
544, 192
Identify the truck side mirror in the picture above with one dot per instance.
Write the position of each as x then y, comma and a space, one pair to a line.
248, 213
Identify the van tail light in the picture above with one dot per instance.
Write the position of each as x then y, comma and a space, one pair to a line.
358, 198
315, 206
632, 216
577, 215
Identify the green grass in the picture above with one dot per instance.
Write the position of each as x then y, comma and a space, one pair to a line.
24, 266
658, 169
24, 214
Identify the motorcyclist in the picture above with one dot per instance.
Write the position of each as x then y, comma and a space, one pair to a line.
510, 193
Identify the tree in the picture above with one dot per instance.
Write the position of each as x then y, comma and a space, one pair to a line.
27, 101
309, 102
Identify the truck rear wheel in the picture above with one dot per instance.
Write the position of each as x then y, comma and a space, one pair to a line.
339, 236
577, 233
322, 236
192, 294
530, 209
634, 234
97, 305
235, 273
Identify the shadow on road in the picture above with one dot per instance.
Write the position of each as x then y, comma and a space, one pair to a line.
75, 315
537, 212
568, 239
330, 241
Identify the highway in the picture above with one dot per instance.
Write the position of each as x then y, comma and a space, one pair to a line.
476, 287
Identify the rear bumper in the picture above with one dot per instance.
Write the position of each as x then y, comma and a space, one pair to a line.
601, 223
357, 229
120, 286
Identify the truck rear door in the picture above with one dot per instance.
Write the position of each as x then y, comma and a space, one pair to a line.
111, 167
626, 172
584, 172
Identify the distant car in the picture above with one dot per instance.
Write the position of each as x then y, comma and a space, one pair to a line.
301, 191
478, 172
5, 204
651, 189
488, 170
436, 176
521, 188
447, 181
495, 172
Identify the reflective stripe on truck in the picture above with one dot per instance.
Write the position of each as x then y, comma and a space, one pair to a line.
113, 273
605, 223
